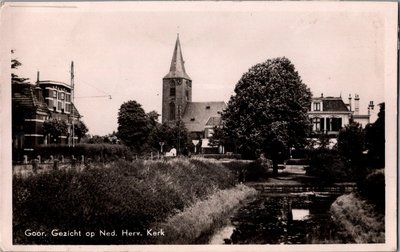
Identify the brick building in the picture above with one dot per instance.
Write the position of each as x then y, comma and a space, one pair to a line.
32, 105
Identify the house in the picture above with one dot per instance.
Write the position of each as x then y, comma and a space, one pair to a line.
199, 117
32, 105
329, 114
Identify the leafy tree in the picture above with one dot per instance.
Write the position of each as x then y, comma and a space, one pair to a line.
375, 139
269, 110
172, 134
351, 142
55, 128
15, 63
80, 130
133, 125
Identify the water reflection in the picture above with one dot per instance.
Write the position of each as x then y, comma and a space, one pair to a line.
282, 219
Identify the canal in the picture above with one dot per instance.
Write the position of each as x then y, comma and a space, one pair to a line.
283, 218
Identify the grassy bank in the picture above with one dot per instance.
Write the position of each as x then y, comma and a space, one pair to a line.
113, 197
202, 218
359, 219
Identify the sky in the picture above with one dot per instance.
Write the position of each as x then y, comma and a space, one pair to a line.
125, 49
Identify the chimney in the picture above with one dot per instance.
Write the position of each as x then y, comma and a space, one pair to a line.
37, 77
356, 104
370, 107
322, 95
350, 102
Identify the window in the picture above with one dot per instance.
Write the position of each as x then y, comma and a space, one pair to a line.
54, 94
172, 111
59, 105
187, 95
62, 96
316, 124
172, 91
192, 119
317, 106
207, 107
68, 97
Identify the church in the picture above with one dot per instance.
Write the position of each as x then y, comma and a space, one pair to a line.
199, 117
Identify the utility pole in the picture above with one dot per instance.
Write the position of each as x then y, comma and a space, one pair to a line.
72, 103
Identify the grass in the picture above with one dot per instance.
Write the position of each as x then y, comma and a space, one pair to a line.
116, 196
359, 219
200, 219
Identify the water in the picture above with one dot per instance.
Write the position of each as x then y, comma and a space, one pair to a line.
301, 218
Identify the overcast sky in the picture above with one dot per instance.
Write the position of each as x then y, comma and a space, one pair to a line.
124, 50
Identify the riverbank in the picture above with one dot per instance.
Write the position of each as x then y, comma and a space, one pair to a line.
195, 224
122, 195
359, 219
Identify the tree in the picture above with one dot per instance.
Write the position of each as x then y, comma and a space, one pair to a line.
80, 130
55, 128
133, 125
172, 134
15, 79
351, 142
375, 139
269, 110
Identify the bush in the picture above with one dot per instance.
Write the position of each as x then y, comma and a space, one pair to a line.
328, 165
373, 188
121, 195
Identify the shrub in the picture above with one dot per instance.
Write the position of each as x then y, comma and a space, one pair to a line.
328, 165
111, 197
373, 188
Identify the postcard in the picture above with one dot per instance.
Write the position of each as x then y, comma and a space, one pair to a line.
203, 126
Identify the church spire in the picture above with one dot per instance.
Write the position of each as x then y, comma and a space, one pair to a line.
177, 68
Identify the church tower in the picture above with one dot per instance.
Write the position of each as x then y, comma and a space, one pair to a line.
177, 87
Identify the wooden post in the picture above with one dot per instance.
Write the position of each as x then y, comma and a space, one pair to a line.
35, 165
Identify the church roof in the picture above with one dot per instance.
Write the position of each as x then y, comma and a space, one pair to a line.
198, 114
177, 68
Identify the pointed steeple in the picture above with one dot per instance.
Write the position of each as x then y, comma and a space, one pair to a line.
177, 68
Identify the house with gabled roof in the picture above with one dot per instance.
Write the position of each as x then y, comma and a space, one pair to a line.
329, 114
198, 117
32, 105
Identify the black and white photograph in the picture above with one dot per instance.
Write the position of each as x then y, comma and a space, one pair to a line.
215, 126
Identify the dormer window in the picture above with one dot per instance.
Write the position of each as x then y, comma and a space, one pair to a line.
192, 119
208, 107
317, 106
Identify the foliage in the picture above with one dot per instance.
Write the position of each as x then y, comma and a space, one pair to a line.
204, 217
80, 130
375, 139
55, 128
373, 188
172, 134
269, 110
351, 142
123, 195
133, 125
359, 219
15, 63
328, 165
